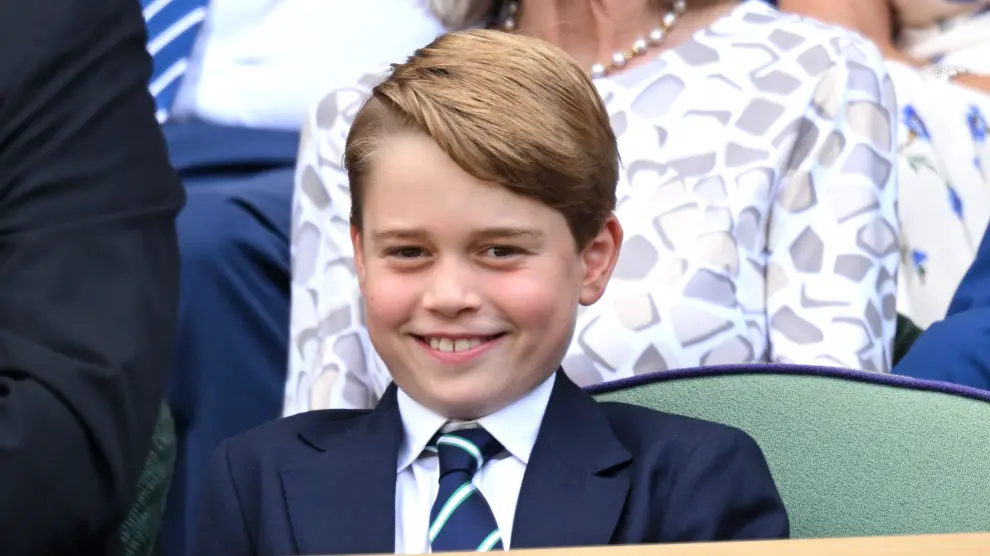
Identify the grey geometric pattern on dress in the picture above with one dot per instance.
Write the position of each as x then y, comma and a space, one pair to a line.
758, 198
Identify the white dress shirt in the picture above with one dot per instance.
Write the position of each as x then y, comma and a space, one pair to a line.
418, 474
265, 63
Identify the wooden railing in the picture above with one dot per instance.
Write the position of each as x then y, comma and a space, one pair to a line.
977, 544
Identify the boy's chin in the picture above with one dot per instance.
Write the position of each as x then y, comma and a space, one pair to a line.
464, 397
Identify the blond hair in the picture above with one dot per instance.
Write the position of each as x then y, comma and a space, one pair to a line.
508, 110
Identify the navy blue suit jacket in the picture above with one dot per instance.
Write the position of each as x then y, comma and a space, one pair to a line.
600, 473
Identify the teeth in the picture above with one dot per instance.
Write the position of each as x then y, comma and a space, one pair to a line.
448, 345
463, 344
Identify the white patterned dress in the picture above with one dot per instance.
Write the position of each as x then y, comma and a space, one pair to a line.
758, 198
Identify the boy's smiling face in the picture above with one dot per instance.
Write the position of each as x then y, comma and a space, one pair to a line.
471, 291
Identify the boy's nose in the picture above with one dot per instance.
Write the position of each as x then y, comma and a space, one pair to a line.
451, 290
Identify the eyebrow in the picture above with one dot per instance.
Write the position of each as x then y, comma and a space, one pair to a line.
510, 233
486, 234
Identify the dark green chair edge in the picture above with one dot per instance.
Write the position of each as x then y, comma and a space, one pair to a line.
905, 336
139, 530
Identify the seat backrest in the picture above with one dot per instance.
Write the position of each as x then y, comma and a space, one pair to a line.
852, 453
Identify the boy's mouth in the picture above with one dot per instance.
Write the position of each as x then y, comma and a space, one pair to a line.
450, 345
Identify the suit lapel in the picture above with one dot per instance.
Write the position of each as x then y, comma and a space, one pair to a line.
566, 499
344, 502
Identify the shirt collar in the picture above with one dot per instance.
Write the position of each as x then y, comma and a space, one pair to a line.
419, 425
515, 426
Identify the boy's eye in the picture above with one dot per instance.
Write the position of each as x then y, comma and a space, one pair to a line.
501, 251
405, 252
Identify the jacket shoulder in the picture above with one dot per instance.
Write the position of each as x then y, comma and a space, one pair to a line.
284, 440
643, 429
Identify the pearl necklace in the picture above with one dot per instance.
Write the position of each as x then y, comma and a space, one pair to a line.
619, 60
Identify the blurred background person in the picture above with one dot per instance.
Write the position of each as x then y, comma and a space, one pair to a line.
758, 197
938, 54
89, 281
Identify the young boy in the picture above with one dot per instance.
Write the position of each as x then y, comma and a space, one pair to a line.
482, 176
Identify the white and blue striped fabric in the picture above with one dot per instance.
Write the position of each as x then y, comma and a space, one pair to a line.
172, 28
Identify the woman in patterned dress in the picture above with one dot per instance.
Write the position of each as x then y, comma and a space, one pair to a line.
938, 55
758, 197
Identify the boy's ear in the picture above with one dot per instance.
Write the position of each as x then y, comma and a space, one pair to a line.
356, 240
598, 260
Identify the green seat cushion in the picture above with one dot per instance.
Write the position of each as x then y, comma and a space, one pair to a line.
853, 453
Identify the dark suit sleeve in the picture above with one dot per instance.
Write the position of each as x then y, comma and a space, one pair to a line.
88, 269
955, 350
221, 527
723, 491
974, 289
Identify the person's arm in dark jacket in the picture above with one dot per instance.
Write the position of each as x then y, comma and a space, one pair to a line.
88, 269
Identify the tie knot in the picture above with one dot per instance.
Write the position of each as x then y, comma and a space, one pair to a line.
465, 450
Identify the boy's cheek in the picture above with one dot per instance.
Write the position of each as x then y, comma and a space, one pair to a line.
387, 302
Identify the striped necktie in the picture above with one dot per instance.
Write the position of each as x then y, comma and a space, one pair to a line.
461, 518
172, 27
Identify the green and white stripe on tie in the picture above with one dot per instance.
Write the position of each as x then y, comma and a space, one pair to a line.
490, 541
464, 444
454, 502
